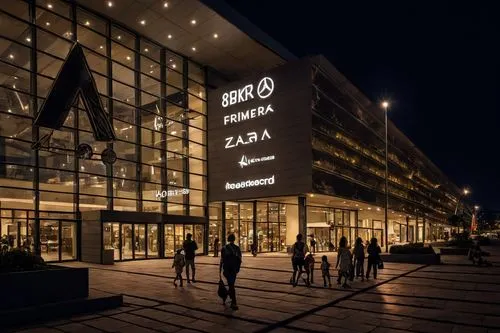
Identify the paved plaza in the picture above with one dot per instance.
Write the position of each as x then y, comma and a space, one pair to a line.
450, 298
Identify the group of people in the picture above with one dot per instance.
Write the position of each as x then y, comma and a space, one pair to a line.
229, 265
349, 263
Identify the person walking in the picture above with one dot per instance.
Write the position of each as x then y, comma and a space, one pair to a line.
373, 257
309, 266
313, 244
359, 258
325, 271
216, 247
178, 264
344, 262
190, 248
230, 264
299, 250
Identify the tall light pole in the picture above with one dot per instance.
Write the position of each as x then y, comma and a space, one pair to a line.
463, 194
385, 105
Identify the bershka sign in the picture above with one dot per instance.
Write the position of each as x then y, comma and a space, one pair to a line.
260, 135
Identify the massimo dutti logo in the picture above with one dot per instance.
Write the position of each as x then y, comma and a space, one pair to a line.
75, 80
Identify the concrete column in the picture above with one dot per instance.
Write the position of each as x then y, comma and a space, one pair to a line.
292, 224
407, 229
223, 224
302, 216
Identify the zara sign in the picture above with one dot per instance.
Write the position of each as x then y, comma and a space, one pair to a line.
260, 140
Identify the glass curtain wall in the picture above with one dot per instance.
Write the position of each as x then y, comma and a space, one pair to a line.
156, 100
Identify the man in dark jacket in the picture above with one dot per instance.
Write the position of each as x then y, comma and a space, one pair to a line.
230, 263
190, 248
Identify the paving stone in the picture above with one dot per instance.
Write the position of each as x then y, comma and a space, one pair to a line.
78, 328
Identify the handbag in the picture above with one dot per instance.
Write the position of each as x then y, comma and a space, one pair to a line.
222, 291
380, 264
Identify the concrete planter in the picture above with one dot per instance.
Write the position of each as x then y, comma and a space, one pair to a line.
457, 251
422, 259
34, 288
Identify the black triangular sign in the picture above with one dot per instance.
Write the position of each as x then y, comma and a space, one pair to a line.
75, 79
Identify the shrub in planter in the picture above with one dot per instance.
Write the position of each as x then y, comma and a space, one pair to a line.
483, 240
19, 260
413, 248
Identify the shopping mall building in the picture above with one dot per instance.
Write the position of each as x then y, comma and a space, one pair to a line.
126, 124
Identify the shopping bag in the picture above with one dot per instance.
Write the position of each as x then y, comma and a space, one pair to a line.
380, 264
222, 291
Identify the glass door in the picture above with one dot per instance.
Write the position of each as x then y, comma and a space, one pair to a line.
179, 236
379, 235
169, 240
68, 240
140, 241
127, 249
49, 240
152, 241
274, 236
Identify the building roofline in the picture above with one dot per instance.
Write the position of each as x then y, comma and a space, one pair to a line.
250, 29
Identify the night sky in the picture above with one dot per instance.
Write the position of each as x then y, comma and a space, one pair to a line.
438, 62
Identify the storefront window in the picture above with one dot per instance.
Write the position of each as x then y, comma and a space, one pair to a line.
152, 241
49, 240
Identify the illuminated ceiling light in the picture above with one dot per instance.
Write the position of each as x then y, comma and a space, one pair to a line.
142, 22
146, 50
9, 111
174, 65
151, 72
129, 58
361, 209
193, 22
49, 6
101, 47
165, 4
87, 23
173, 132
344, 202
356, 205
11, 56
169, 36
369, 208
110, 4
119, 37
47, 24
194, 49
28, 39
378, 209
216, 36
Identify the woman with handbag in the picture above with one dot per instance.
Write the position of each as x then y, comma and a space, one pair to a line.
373, 258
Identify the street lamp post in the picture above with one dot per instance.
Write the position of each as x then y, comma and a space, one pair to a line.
385, 105
463, 194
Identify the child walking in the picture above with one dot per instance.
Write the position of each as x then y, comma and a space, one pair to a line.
309, 266
325, 271
359, 258
179, 263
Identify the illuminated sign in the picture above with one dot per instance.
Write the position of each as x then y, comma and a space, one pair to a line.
260, 136
265, 88
170, 193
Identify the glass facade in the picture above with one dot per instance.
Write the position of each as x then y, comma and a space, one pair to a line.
156, 101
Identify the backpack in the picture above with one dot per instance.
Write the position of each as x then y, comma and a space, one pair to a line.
299, 250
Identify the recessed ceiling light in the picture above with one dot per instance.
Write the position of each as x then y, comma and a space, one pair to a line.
47, 23
151, 72
193, 48
169, 36
146, 50
87, 23
119, 37
128, 58
165, 4
193, 22
9, 110
110, 4
49, 6
174, 65
142, 22
216, 36
11, 56
28, 39
101, 47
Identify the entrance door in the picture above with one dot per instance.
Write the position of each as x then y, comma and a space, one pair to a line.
169, 240
140, 241
153, 241
127, 242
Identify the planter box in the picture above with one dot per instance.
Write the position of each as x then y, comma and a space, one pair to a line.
457, 251
422, 259
32, 288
